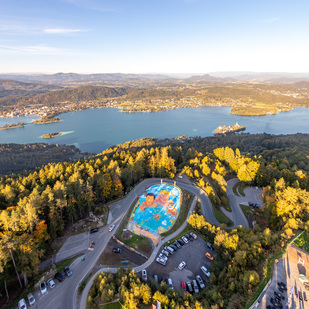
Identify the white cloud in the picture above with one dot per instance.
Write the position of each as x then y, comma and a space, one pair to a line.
62, 30
30, 50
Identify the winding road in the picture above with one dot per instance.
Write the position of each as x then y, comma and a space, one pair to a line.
65, 294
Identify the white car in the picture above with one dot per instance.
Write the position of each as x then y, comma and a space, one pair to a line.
43, 288
160, 261
111, 227
200, 281
31, 299
22, 304
144, 274
193, 235
165, 252
185, 239
51, 283
170, 283
163, 257
182, 265
205, 271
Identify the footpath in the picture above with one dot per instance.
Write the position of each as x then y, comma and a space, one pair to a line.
137, 269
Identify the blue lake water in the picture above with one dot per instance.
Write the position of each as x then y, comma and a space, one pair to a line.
94, 130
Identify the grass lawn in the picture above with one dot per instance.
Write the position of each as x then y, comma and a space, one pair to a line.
84, 283
303, 242
241, 189
66, 262
116, 305
235, 189
246, 210
221, 217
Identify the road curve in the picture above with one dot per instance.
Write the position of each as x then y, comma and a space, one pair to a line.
66, 294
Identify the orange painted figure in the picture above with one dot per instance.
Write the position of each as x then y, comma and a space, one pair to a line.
150, 202
162, 198
171, 209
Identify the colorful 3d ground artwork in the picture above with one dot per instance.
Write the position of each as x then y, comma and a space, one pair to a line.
155, 212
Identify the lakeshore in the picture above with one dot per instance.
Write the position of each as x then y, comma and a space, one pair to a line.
93, 130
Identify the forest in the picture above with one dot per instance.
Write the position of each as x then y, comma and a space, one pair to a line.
252, 96
38, 206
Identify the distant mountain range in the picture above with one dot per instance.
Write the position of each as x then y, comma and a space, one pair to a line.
74, 79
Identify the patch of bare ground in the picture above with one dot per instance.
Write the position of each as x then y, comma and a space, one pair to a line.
126, 257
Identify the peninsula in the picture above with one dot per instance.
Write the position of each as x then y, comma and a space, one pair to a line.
12, 126
50, 135
222, 130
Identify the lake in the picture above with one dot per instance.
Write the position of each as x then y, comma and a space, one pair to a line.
94, 130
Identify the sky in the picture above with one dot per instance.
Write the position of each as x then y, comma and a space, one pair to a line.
153, 36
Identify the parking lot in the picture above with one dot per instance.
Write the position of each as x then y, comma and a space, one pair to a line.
193, 254
287, 270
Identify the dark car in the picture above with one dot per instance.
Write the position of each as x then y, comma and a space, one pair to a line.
180, 241
189, 237
68, 271
189, 287
94, 230
59, 277
174, 247
177, 244
117, 250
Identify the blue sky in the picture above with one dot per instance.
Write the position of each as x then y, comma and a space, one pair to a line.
153, 36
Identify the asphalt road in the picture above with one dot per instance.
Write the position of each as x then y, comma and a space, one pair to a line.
64, 295
238, 215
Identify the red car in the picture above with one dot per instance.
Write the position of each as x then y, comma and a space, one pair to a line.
183, 285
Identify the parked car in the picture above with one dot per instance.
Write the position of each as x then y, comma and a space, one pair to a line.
200, 281
51, 283
68, 271
111, 227
181, 242
170, 249
43, 288
117, 250
183, 285
156, 278
174, 247
185, 239
22, 304
177, 244
189, 237
163, 257
31, 299
208, 255
205, 271
161, 261
59, 277
189, 287
182, 265
165, 252
170, 283
144, 274
209, 245
195, 287
193, 235
94, 230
